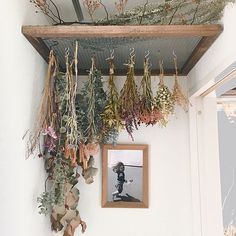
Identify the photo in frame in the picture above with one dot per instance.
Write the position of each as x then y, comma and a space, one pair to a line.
125, 176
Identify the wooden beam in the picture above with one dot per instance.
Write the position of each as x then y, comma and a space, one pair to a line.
148, 31
198, 52
40, 46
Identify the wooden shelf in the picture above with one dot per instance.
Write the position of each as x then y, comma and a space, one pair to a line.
155, 36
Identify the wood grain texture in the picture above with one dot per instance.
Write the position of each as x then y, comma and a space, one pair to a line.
145, 202
84, 31
40, 46
204, 44
209, 33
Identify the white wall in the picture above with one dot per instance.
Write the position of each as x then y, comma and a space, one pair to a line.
21, 181
170, 188
22, 76
221, 54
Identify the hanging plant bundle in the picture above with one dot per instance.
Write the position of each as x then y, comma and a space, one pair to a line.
179, 97
164, 99
47, 116
149, 114
58, 125
129, 101
112, 123
92, 101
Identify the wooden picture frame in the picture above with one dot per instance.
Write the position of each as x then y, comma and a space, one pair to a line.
126, 187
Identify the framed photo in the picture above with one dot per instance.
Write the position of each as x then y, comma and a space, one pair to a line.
125, 176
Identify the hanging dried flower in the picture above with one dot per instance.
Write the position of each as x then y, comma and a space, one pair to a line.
164, 99
148, 113
129, 101
230, 230
112, 123
92, 101
178, 95
91, 6
47, 116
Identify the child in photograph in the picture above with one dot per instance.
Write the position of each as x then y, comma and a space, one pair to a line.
119, 169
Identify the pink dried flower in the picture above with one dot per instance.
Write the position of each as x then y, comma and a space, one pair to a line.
121, 6
91, 6
50, 131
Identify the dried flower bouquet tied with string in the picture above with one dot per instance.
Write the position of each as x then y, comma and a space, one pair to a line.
164, 100
129, 102
179, 97
57, 123
91, 103
149, 114
112, 123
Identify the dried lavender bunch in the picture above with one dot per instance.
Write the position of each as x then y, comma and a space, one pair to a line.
129, 101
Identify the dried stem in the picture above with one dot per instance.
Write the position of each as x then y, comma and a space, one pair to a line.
105, 9
144, 10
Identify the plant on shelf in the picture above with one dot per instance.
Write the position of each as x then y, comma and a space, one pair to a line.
166, 12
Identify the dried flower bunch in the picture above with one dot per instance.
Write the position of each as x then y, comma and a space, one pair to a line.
164, 12
120, 6
129, 102
72, 125
91, 103
164, 99
48, 8
91, 6
149, 114
112, 122
179, 97
63, 147
171, 12
230, 230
